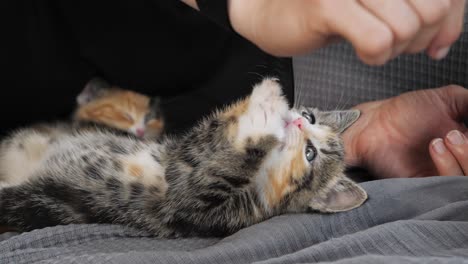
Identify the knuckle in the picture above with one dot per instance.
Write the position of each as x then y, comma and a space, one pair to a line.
445, 6
448, 94
380, 43
453, 33
436, 12
404, 33
454, 89
459, 151
326, 8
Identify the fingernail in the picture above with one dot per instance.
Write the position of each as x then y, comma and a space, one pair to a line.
455, 137
441, 53
438, 145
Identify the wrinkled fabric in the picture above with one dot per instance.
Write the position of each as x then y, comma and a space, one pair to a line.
404, 220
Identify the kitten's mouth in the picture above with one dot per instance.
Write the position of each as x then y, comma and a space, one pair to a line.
292, 131
282, 145
290, 139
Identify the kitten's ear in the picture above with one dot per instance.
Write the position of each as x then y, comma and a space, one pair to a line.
155, 106
155, 102
342, 196
93, 89
340, 120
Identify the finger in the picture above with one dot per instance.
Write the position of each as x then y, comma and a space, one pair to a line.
449, 31
422, 40
456, 143
371, 38
398, 15
456, 98
431, 12
443, 159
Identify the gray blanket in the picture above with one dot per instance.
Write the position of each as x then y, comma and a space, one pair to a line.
405, 220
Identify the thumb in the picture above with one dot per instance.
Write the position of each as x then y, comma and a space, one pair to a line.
457, 99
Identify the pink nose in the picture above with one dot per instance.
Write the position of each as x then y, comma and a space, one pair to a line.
140, 132
298, 122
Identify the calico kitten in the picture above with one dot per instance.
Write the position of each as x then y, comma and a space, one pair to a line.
103, 104
100, 106
251, 161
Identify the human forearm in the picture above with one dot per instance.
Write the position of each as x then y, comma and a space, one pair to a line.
378, 32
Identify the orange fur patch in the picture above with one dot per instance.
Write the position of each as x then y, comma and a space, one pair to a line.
237, 109
233, 113
297, 167
155, 124
135, 170
281, 181
278, 185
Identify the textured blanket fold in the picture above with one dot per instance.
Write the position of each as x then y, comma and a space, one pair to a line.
405, 220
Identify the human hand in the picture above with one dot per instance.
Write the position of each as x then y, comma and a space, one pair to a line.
378, 30
450, 155
392, 136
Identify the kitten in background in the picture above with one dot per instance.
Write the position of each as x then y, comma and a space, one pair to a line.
103, 104
99, 106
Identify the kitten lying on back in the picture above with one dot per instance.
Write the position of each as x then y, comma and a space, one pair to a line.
125, 110
251, 161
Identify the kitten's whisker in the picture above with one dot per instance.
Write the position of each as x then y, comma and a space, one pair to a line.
300, 97
344, 105
327, 101
297, 97
339, 101
257, 74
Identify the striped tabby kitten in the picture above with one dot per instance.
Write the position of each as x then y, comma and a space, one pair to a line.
251, 161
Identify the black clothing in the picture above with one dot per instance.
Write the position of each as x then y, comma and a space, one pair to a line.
50, 49
216, 10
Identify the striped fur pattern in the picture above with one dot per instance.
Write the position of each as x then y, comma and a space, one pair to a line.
239, 166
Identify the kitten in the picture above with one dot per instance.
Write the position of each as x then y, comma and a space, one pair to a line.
23, 152
251, 161
100, 106
103, 104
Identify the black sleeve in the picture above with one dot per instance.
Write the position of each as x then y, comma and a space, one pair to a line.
217, 11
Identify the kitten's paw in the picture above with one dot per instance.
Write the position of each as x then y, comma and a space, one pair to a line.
266, 112
268, 97
268, 88
268, 91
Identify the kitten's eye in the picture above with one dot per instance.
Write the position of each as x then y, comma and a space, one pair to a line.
309, 117
128, 117
310, 152
149, 117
